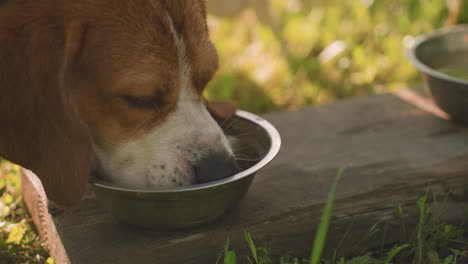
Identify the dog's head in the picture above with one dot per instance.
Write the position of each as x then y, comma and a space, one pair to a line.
117, 82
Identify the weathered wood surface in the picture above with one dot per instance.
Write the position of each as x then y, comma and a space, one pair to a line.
36, 202
393, 151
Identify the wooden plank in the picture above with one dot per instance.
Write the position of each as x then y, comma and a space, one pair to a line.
393, 150
36, 202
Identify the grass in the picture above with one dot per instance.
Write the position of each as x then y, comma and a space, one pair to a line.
321, 235
260, 255
432, 241
19, 243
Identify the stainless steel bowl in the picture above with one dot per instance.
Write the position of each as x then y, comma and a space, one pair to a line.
433, 55
197, 204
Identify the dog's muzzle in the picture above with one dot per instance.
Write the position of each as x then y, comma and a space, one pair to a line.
215, 166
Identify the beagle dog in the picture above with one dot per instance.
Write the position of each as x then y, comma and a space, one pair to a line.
110, 85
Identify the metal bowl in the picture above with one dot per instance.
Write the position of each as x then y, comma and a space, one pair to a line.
434, 55
197, 204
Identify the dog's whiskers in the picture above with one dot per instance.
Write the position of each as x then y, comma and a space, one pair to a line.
241, 149
223, 123
240, 156
245, 159
229, 127
242, 135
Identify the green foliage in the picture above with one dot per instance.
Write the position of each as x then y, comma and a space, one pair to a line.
422, 206
229, 255
258, 258
432, 242
394, 251
319, 241
366, 259
402, 221
463, 18
19, 243
434, 239
321, 235
323, 51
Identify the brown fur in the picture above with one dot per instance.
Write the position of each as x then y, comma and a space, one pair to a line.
65, 67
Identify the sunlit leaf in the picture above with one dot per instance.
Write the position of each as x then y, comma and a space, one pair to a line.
366, 259
433, 257
16, 234
448, 260
394, 251
7, 198
4, 210
229, 255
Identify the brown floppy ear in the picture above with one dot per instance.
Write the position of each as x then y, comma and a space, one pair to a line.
40, 127
203, 7
221, 110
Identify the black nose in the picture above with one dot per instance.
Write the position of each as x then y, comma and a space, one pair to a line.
215, 166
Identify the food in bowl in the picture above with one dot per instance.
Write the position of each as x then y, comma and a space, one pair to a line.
456, 71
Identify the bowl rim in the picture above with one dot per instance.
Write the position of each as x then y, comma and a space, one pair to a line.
411, 52
275, 140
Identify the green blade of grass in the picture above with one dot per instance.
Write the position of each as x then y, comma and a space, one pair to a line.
229, 255
366, 259
422, 206
220, 255
395, 250
384, 238
403, 222
321, 234
448, 260
253, 249
230, 258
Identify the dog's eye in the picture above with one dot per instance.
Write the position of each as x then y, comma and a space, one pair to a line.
143, 101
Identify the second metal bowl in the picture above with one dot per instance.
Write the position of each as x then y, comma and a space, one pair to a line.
443, 59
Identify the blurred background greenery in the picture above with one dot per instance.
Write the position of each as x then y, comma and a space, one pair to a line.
285, 54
